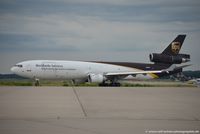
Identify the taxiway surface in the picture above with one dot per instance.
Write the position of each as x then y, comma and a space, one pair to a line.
97, 110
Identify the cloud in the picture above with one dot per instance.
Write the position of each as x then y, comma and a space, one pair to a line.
107, 27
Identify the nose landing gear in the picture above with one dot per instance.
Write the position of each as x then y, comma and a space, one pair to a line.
37, 82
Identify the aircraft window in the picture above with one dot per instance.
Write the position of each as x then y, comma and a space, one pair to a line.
19, 66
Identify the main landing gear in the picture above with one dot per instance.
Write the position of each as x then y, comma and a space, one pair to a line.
112, 84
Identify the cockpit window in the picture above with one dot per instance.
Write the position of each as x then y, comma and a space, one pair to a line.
19, 65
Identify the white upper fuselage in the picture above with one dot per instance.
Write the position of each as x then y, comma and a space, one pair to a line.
57, 69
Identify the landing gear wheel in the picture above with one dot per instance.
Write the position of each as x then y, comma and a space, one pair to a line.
109, 84
103, 84
37, 82
115, 84
118, 84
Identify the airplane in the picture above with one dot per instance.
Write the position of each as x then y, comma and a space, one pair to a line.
106, 73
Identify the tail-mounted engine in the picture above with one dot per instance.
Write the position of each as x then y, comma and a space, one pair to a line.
169, 59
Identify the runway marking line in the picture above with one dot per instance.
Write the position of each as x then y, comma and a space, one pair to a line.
79, 101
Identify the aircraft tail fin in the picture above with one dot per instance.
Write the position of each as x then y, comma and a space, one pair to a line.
175, 46
171, 54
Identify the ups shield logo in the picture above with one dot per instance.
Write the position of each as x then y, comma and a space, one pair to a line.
175, 47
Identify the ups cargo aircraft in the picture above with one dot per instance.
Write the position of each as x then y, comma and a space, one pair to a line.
106, 73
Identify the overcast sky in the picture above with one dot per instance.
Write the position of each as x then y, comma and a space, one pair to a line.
105, 30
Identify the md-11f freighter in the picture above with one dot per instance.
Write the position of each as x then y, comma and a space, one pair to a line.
106, 73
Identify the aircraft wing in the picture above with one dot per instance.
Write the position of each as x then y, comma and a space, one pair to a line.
172, 68
183, 66
133, 73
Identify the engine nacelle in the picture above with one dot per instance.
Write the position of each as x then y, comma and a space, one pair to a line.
96, 78
169, 59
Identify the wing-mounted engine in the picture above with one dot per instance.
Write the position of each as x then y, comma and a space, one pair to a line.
169, 59
96, 78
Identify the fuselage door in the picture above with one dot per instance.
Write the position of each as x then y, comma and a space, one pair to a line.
28, 70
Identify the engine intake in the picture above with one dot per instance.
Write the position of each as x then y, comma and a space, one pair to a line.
169, 59
95, 78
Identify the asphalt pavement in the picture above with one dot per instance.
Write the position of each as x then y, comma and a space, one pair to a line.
99, 110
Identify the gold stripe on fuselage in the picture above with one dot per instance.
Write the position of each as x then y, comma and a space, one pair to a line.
154, 75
